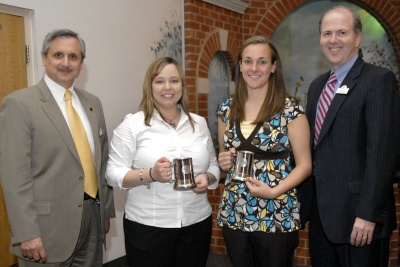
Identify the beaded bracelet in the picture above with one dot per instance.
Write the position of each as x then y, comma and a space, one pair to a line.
141, 179
151, 176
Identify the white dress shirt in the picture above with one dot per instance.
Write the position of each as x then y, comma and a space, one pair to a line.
58, 93
135, 145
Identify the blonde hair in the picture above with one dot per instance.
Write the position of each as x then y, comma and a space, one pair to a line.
148, 104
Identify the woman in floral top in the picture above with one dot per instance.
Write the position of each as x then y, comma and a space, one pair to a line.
260, 217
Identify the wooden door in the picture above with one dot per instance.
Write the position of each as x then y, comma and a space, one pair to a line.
12, 77
12, 54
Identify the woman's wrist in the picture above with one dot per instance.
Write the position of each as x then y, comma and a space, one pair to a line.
207, 176
151, 176
141, 179
275, 192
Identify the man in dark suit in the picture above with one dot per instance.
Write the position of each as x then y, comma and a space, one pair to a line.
355, 133
55, 216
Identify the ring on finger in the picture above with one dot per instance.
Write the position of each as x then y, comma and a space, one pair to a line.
364, 237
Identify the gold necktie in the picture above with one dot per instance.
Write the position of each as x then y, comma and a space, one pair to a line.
83, 147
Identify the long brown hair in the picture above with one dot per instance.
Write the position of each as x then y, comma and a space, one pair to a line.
148, 104
274, 101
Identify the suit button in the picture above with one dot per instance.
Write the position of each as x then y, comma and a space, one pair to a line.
81, 178
80, 205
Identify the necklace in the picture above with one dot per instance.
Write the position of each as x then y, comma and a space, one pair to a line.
172, 122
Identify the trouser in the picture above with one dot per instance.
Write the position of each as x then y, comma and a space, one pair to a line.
324, 253
247, 249
89, 249
150, 246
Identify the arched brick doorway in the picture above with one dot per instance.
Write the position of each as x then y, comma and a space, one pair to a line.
385, 12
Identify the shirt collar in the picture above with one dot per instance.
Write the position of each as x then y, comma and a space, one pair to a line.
183, 117
341, 72
57, 90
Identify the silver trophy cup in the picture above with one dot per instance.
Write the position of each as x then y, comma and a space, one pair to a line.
244, 165
183, 172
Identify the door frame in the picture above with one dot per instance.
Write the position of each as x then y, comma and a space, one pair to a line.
27, 14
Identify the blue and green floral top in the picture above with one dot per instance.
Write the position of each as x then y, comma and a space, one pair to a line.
272, 164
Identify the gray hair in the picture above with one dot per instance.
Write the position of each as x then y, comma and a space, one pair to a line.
357, 26
66, 33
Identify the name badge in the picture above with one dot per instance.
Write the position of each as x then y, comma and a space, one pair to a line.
342, 90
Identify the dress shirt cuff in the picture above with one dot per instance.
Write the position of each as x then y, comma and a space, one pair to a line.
215, 171
115, 176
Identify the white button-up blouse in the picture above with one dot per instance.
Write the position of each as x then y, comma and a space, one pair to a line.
135, 145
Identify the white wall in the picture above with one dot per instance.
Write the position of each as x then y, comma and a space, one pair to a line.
118, 36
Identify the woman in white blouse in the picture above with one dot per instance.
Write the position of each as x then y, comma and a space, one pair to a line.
163, 226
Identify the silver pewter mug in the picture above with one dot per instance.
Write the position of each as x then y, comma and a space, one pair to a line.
183, 172
243, 166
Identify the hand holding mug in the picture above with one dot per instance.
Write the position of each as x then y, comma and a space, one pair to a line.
162, 170
225, 159
201, 181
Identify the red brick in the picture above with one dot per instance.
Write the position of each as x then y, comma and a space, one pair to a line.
217, 232
220, 242
303, 234
218, 250
299, 261
302, 252
204, 97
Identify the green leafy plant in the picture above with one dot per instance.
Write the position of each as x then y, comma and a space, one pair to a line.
170, 43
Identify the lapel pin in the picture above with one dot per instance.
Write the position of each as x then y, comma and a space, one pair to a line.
100, 131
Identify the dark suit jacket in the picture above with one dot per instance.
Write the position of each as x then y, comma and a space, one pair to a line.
41, 173
355, 159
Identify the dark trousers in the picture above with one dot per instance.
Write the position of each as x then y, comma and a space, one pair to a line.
324, 253
150, 246
247, 249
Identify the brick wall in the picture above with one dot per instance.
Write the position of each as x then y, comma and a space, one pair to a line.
202, 22
217, 241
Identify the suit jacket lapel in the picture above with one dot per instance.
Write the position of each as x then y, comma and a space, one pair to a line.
91, 114
55, 115
350, 82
